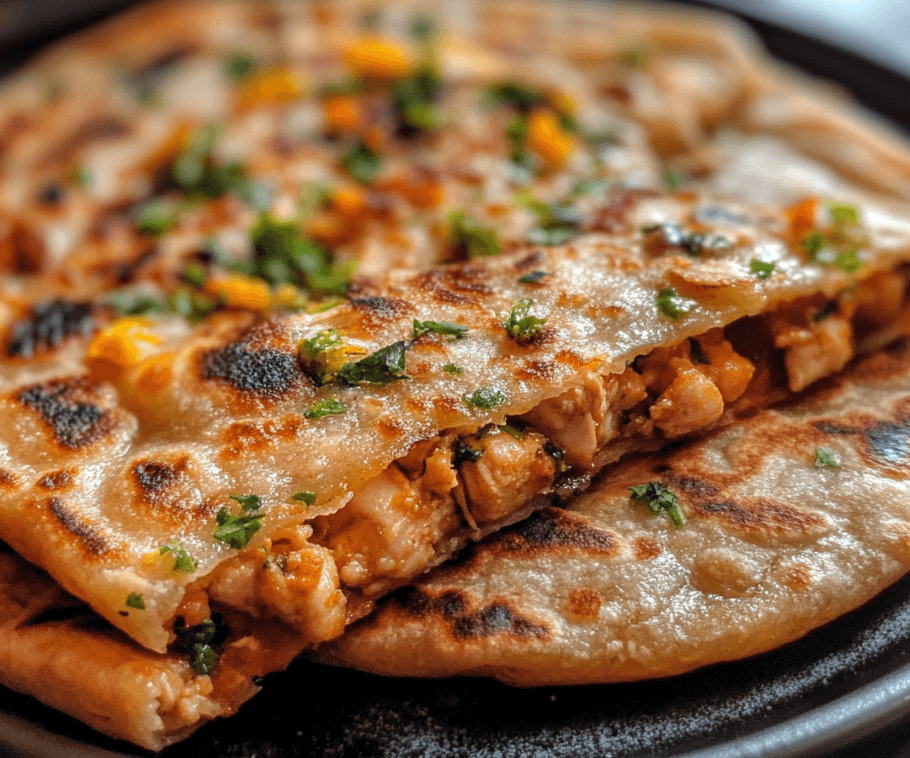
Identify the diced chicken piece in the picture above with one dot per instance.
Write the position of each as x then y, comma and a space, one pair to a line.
691, 402
880, 298
715, 358
814, 351
293, 580
508, 473
578, 421
390, 527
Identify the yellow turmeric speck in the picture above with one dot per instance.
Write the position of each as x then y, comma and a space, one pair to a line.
547, 138
272, 87
240, 292
123, 344
377, 58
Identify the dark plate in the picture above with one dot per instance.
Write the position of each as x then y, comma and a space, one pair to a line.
843, 690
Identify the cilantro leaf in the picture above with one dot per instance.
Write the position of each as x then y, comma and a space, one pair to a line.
485, 398
659, 498
361, 162
761, 269
248, 502
672, 305
321, 408
136, 600
470, 239
156, 217
322, 355
438, 327
451, 368
240, 67
306, 497
464, 453
557, 223
236, 531
521, 326
825, 457
533, 277
379, 368
182, 559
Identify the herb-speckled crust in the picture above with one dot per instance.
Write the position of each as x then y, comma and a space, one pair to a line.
773, 546
222, 404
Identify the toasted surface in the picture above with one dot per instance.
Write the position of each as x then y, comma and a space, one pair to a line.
604, 590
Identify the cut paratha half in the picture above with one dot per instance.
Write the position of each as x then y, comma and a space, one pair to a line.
786, 520
248, 449
286, 467
55, 648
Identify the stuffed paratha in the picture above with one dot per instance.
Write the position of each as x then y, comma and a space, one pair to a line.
189, 418
782, 523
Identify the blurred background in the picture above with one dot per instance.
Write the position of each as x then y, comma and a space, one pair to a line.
877, 29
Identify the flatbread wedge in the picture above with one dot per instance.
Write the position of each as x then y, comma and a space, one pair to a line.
791, 518
56, 649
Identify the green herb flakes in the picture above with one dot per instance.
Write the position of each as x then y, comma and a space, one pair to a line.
361, 162
240, 67
485, 398
321, 356
521, 326
136, 600
673, 178
203, 658
848, 262
673, 305
843, 214
237, 531
438, 327
471, 239
195, 275
380, 368
248, 502
156, 218
465, 453
557, 223
451, 368
307, 497
825, 457
182, 559
533, 277
321, 408
761, 269
513, 431
659, 499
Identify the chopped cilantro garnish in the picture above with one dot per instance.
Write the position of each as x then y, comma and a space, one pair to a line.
520, 325
693, 243
240, 67
533, 277
199, 174
156, 217
199, 642
237, 531
438, 327
464, 453
361, 162
672, 305
848, 261
248, 502
195, 274
136, 304
422, 27
203, 658
598, 188
513, 94
485, 398
659, 499
514, 431
380, 368
843, 214
182, 559
193, 306
825, 457
307, 497
321, 356
282, 255
557, 223
761, 269
517, 135
470, 239
451, 368
136, 600
415, 99
329, 407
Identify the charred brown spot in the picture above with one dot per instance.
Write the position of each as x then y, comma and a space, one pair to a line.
90, 535
886, 440
266, 372
552, 528
56, 614
646, 548
696, 489
416, 603
244, 436
383, 308
761, 516
48, 325
154, 477
496, 618
533, 260
536, 370
583, 604
22, 249
56, 480
8, 480
75, 423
